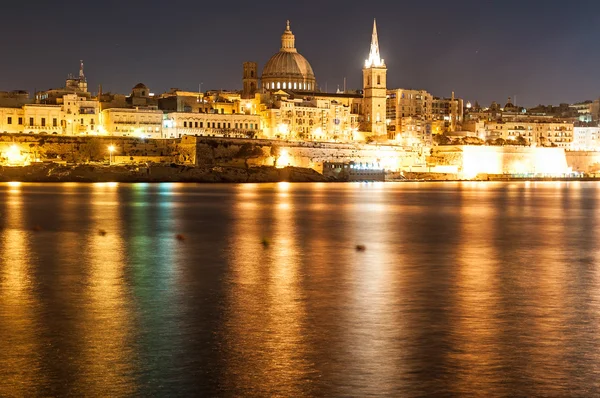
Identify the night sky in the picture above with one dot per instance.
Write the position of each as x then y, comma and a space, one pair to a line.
541, 51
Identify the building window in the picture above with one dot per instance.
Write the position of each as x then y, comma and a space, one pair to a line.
196, 124
20, 121
91, 121
246, 126
55, 122
278, 85
369, 81
236, 126
378, 79
201, 124
295, 85
31, 121
184, 124
228, 125
9, 120
218, 125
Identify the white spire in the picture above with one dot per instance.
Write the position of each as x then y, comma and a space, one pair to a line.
374, 60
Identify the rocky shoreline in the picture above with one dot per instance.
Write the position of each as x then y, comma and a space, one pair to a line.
52, 172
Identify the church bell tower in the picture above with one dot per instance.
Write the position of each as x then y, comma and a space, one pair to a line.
375, 91
250, 80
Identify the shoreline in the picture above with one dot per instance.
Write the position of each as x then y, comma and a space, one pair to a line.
89, 173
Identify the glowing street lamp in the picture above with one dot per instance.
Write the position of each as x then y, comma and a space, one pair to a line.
111, 149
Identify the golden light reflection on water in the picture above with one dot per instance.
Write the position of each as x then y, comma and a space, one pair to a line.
106, 358
19, 355
374, 298
476, 326
265, 301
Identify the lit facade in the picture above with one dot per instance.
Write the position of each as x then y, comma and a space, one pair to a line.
177, 124
586, 139
143, 123
558, 134
310, 120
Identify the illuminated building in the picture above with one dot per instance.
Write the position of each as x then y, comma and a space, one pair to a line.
42, 119
313, 119
375, 93
143, 123
177, 124
541, 133
81, 115
287, 69
586, 139
11, 120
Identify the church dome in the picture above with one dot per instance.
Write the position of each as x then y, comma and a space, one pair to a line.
288, 70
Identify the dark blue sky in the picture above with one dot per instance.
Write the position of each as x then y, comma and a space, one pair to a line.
542, 51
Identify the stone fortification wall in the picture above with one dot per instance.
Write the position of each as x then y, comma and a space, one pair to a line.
203, 151
468, 161
82, 149
231, 152
584, 161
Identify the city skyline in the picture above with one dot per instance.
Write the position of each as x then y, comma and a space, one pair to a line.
526, 51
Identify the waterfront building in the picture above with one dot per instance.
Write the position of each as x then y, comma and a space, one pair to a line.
557, 133
586, 138
80, 115
178, 124
42, 119
11, 120
309, 119
142, 123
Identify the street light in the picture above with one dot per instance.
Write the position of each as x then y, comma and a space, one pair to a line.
111, 149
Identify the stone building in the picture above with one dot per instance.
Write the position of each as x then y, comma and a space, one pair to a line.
309, 119
288, 69
375, 92
142, 123
177, 124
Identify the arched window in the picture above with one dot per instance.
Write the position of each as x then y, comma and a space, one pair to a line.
278, 85
378, 79
369, 81
284, 85
251, 73
295, 85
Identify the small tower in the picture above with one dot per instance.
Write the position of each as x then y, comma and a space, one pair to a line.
82, 80
250, 80
375, 91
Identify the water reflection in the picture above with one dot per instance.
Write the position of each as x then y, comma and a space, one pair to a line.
464, 289
107, 354
266, 302
20, 365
